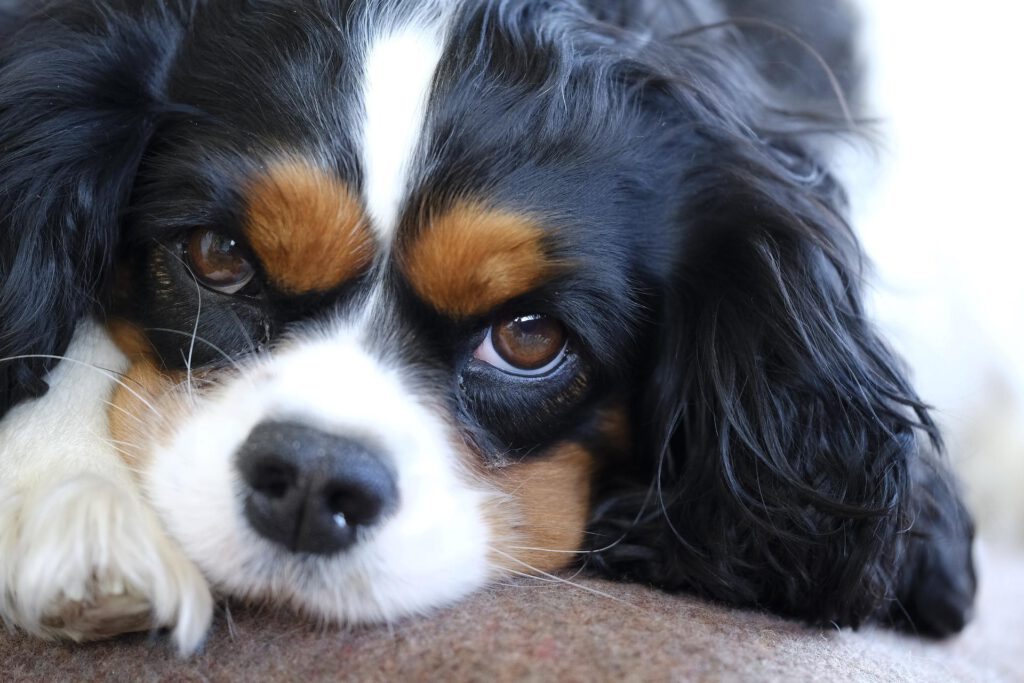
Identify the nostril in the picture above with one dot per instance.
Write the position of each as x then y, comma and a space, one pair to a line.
272, 478
351, 506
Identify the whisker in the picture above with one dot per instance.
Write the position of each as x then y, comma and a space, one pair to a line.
126, 412
195, 327
126, 444
115, 376
550, 550
230, 620
128, 455
532, 577
560, 579
246, 333
127, 458
213, 346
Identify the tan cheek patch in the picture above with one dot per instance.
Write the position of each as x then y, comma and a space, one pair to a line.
139, 414
143, 409
472, 259
307, 228
539, 522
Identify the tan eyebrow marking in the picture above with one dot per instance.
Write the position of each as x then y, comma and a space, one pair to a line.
473, 258
307, 227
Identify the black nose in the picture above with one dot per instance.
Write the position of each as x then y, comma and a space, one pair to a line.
311, 491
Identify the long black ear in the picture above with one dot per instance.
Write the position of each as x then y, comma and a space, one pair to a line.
778, 431
784, 428
79, 85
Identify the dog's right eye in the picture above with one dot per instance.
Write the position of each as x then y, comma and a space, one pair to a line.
218, 261
524, 346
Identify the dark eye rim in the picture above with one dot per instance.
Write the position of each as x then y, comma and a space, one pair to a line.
521, 412
570, 363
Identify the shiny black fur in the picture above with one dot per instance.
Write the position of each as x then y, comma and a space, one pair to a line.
781, 459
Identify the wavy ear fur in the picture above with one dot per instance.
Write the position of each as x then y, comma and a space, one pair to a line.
80, 83
783, 456
787, 431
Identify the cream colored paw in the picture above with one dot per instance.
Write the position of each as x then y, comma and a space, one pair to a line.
87, 560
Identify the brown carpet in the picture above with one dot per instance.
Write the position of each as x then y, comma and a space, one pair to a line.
536, 631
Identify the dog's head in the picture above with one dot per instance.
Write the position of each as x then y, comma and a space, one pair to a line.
414, 293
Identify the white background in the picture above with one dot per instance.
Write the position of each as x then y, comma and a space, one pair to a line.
941, 212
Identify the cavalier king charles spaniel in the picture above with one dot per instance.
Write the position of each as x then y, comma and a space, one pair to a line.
359, 305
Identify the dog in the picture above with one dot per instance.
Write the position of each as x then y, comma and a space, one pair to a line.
356, 306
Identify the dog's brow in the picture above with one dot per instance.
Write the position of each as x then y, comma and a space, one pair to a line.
307, 228
472, 259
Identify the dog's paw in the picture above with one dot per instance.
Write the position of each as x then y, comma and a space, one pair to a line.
86, 560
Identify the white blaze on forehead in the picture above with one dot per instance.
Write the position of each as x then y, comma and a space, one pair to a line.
399, 72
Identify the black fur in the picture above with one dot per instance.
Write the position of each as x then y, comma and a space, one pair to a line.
78, 83
790, 456
781, 460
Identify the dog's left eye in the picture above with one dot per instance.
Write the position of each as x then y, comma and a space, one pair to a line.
526, 345
219, 261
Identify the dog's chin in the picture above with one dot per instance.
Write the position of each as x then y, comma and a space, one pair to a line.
432, 549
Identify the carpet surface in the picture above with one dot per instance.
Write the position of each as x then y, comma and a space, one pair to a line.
531, 630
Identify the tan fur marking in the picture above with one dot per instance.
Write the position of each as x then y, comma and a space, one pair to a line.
473, 258
130, 339
307, 228
543, 523
140, 413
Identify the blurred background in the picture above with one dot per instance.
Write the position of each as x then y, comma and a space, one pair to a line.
939, 207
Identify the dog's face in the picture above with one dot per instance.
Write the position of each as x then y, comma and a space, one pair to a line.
420, 293
378, 289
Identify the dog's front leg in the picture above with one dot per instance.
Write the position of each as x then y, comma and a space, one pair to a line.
82, 556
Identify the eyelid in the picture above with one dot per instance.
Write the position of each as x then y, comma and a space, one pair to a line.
231, 290
486, 353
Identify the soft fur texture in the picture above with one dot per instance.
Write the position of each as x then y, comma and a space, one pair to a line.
723, 419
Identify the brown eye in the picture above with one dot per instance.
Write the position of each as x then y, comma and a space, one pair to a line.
528, 345
218, 261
